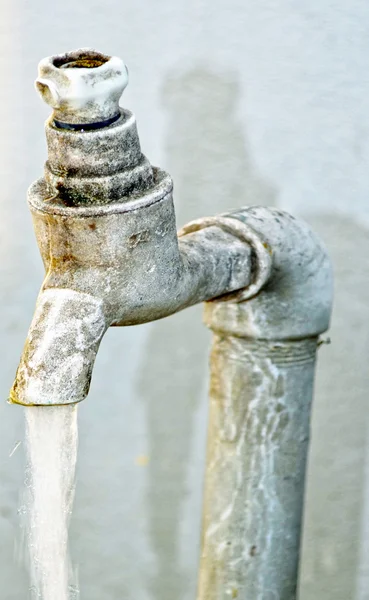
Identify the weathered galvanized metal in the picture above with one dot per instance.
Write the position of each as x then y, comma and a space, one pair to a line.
262, 375
105, 223
260, 396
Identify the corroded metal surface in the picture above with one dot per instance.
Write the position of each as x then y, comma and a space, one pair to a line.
262, 374
126, 259
296, 301
260, 395
105, 223
261, 251
96, 167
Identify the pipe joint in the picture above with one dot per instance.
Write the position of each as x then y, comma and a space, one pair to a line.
296, 300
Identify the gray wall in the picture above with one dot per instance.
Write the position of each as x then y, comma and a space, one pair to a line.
273, 95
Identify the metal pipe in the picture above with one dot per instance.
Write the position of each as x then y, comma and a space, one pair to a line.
105, 224
260, 396
262, 373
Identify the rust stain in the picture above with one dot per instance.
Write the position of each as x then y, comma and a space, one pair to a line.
138, 238
60, 261
267, 247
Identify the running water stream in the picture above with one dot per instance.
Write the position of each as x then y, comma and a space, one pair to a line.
51, 440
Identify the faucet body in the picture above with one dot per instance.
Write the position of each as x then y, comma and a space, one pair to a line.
116, 264
105, 224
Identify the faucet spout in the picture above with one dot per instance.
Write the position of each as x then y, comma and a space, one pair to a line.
60, 350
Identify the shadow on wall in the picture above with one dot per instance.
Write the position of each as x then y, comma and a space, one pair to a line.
208, 158
334, 549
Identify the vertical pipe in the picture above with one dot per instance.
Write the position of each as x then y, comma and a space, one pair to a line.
262, 377
260, 397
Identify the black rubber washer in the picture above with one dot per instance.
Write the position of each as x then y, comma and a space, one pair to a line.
86, 126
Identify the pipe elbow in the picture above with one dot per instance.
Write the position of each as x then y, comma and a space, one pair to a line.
296, 300
60, 350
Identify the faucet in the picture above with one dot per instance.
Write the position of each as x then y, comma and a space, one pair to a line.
105, 224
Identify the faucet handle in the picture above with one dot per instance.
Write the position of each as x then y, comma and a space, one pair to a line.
83, 87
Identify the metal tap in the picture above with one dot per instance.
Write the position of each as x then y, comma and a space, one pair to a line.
105, 224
